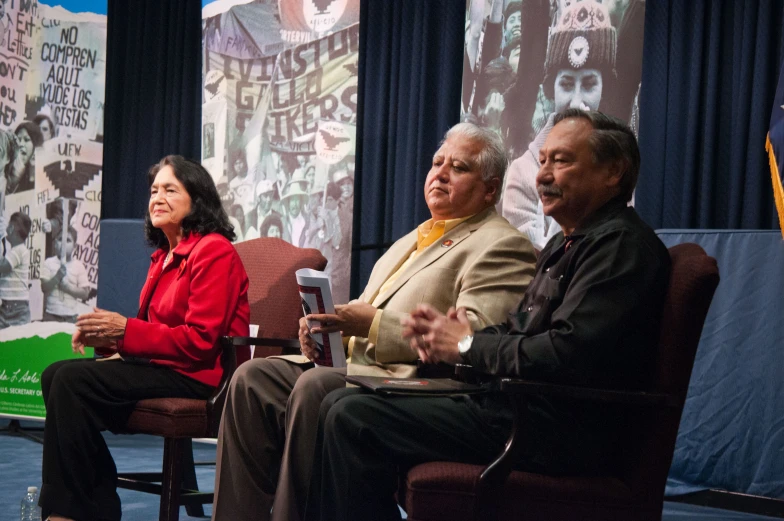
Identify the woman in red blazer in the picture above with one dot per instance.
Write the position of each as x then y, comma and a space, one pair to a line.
196, 291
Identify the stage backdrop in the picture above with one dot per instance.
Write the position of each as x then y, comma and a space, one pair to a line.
52, 67
526, 60
279, 121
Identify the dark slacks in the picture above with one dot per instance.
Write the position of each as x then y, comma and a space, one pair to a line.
83, 398
266, 438
364, 440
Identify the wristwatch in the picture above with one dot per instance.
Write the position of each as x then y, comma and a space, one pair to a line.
465, 344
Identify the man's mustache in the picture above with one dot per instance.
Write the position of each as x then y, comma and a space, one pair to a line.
549, 189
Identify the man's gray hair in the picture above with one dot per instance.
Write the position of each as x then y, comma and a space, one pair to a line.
611, 141
492, 159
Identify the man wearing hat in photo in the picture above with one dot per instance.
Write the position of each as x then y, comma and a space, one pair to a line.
579, 65
226, 197
295, 220
466, 255
513, 21
345, 182
265, 202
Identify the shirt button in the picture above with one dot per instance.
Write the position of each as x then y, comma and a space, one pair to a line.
530, 308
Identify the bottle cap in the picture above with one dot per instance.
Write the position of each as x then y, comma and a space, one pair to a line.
32, 489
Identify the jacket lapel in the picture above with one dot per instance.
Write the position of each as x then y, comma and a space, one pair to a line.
181, 252
433, 252
398, 254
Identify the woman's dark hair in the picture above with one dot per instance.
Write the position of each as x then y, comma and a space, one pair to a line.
9, 148
206, 215
239, 216
271, 220
33, 131
234, 155
43, 117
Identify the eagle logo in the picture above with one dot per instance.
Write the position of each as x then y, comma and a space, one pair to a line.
334, 141
68, 177
214, 85
322, 6
331, 141
352, 68
578, 52
322, 15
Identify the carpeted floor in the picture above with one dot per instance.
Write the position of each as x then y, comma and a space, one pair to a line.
20, 467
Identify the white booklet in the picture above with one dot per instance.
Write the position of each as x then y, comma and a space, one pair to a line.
316, 294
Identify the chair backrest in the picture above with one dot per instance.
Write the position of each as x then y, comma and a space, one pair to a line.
123, 261
273, 294
693, 280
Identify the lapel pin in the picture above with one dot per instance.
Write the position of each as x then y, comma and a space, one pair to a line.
447, 243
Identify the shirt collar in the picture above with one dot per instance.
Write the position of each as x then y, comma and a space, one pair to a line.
430, 231
610, 209
182, 249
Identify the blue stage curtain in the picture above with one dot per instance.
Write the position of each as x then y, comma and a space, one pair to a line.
410, 70
153, 96
709, 76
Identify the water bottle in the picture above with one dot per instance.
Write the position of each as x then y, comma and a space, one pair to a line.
30, 509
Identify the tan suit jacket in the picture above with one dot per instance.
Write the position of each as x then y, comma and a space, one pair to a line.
484, 264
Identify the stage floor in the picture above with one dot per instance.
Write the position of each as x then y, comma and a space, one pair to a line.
20, 467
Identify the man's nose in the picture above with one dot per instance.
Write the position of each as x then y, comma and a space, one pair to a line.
577, 100
545, 174
442, 173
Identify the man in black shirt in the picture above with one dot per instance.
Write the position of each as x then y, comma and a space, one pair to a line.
590, 317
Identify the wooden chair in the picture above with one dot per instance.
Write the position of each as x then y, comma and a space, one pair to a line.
453, 491
275, 306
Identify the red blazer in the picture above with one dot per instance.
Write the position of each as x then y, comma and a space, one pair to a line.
184, 310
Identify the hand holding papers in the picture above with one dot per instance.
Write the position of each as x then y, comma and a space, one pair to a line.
316, 295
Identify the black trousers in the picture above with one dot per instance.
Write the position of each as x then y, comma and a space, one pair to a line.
365, 440
83, 398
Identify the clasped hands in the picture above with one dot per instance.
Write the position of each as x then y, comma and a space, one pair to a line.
100, 329
352, 319
433, 336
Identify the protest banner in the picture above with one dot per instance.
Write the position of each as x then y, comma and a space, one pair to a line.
52, 70
279, 115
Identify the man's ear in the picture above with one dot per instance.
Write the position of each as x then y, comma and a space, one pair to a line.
491, 189
615, 172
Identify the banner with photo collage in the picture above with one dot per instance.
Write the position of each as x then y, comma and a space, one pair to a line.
52, 70
279, 121
527, 60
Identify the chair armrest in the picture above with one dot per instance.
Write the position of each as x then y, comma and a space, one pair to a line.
229, 364
517, 387
216, 401
288, 344
439, 370
491, 480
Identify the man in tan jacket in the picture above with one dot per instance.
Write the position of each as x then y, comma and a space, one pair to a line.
465, 256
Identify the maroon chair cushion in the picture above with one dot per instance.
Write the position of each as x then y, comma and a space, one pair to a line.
170, 418
438, 490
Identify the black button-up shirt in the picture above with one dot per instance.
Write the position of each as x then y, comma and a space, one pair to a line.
590, 317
